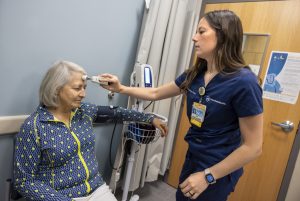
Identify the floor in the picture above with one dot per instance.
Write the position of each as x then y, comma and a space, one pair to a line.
152, 191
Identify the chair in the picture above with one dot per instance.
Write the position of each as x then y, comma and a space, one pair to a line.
11, 193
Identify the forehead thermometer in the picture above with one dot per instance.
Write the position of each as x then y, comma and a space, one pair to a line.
94, 79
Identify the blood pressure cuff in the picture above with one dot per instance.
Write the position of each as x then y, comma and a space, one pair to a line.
108, 114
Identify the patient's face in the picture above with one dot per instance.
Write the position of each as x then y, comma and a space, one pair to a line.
71, 95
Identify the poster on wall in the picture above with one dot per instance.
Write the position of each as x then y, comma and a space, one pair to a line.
282, 80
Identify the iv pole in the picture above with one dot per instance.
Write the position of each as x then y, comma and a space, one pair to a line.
141, 77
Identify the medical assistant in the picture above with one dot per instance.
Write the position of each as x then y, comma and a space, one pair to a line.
55, 161
227, 98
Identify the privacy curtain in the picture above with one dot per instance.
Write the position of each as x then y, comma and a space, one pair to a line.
166, 44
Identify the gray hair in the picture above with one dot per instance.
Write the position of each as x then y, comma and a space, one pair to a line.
56, 77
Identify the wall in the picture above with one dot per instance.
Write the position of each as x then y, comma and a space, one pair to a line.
100, 35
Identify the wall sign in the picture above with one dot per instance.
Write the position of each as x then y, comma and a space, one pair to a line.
282, 80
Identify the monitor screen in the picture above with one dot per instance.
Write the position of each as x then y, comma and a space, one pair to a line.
147, 75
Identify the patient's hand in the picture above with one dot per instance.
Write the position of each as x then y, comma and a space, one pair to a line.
161, 126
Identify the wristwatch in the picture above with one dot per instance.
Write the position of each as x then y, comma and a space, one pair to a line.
209, 177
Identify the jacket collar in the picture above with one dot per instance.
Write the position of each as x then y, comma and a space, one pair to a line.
45, 115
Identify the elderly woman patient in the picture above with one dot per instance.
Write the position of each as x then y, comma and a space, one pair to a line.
55, 149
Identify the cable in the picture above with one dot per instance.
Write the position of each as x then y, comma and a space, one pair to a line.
148, 105
121, 161
111, 141
110, 151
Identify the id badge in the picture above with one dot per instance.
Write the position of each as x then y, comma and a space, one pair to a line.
198, 113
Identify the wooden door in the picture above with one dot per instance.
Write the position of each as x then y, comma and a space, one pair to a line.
262, 178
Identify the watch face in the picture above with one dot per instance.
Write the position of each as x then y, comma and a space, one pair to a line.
209, 178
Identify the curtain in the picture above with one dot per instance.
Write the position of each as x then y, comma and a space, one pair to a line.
166, 44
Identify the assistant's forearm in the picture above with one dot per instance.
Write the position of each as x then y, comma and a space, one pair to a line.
237, 159
165, 91
251, 128
139, 92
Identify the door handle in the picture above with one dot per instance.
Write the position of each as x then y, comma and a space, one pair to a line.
286, 126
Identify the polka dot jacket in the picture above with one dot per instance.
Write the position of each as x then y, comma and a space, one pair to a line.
57, 162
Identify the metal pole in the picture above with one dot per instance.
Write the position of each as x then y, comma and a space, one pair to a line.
129, 171
145, 166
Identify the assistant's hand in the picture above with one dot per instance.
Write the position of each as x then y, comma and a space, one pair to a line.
114, 83
194, 185
161, 126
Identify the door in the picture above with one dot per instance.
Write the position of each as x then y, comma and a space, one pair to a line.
262, 178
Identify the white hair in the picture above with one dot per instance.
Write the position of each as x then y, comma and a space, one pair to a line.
56, 77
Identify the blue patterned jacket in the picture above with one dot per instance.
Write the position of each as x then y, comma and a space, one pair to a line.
56, 162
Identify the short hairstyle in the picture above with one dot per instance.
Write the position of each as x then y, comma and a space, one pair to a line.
56, 77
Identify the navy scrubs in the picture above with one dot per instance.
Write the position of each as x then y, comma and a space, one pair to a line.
227, 97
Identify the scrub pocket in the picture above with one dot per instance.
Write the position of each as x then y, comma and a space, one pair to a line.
186, 168
215, 192
234, 177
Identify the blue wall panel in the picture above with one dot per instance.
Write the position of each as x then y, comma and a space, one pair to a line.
99, 35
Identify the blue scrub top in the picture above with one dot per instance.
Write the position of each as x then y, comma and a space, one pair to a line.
227, 97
